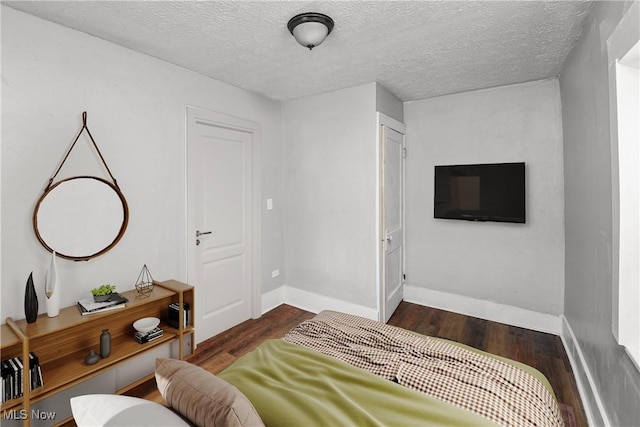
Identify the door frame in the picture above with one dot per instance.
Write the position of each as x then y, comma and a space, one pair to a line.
386, 121
193, 116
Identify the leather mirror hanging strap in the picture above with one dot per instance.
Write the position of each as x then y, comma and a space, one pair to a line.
84, 128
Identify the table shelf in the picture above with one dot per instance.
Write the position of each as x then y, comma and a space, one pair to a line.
62, 343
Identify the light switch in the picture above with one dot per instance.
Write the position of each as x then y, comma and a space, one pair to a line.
269, 204
275, 273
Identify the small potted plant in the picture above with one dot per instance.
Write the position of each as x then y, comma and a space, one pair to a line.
103, 293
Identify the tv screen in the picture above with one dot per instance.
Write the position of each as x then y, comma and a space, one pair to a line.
483, 192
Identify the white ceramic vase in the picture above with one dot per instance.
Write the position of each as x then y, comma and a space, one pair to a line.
52, 287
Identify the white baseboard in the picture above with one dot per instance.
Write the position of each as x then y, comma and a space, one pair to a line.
483, 309
272, 299
488, 310
596, 416
314, 303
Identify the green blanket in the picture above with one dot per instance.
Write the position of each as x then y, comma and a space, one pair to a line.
290, 385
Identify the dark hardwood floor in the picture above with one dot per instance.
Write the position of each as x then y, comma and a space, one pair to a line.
544, 352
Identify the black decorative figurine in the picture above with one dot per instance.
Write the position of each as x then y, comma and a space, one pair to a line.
30, 301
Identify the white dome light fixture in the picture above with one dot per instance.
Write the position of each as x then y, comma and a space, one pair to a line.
310, 29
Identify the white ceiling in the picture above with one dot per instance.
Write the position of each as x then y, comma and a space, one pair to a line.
416, 49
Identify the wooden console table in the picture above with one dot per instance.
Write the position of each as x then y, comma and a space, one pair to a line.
62, 343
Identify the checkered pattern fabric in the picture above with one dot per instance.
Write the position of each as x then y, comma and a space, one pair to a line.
489, 387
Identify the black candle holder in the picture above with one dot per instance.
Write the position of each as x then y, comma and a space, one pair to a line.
144, 283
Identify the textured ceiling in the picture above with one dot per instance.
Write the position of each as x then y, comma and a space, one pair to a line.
416, 49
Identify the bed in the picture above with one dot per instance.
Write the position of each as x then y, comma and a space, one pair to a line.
342, 370
339, 369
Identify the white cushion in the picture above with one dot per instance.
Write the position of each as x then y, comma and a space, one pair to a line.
115, 410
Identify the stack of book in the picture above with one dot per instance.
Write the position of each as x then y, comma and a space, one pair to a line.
89, 306
174, 314
12, 374
143, 337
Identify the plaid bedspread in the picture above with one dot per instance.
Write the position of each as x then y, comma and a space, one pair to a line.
489, 387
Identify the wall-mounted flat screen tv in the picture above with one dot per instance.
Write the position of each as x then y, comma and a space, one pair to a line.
482, 192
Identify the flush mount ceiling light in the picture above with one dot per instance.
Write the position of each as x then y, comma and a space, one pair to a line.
310, 29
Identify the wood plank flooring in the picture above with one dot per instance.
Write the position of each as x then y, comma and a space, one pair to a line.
544, 352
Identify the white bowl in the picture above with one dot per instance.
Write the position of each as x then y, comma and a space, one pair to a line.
146, 324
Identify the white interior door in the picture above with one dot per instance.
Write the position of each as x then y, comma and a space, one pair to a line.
219, 222
392, 220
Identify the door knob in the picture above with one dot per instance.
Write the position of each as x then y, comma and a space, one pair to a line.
201, 233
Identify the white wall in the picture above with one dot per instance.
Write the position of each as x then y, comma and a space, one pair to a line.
329, 180
612, 380
518, 265
388, 104
136, 113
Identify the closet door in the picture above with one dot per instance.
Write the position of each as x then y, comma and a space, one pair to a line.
392, 218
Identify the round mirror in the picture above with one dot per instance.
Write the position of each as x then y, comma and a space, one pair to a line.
81, 217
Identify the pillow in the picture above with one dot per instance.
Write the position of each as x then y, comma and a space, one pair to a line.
115, 410
203, 398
